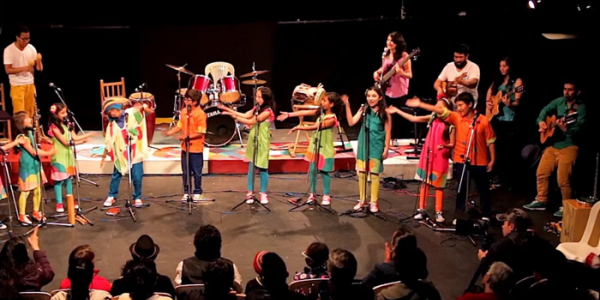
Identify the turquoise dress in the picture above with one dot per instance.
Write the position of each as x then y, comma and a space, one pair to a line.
29, 167
508, 113
376, 144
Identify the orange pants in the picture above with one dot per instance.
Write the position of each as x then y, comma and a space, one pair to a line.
552, 157
439, 198
23, 98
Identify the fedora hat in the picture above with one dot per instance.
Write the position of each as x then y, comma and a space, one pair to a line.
144, 248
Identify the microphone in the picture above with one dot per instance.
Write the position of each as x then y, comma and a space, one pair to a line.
475, 119
257, 109
29, 128
54, 86
189, 108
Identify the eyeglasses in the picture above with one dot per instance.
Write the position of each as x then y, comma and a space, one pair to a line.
305, 255
25, 39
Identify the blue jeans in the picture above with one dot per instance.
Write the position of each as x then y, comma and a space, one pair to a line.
196, 164
137, 172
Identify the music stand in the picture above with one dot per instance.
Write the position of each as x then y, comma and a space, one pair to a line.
315, 161
12, 192
253, 169
365, 144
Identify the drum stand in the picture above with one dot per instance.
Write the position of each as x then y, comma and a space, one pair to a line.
253, 169
71, 116
12, 193
315, 161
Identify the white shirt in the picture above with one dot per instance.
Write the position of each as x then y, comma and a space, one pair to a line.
19, 59
449, 73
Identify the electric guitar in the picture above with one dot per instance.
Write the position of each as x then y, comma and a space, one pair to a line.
552, 123
384, 81
497, 99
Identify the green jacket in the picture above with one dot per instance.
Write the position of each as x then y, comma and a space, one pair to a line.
560, 107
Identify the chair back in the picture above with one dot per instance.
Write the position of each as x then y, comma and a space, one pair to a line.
307, 286
34, 296
190, 292
591, 226
112, 89
382, 287
521, 288
218, 70
5, 117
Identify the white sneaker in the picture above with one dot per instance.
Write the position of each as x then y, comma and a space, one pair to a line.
109, 201
2, 226
419, 215
185, 197
326, 200
197, 197
263, 198
439, 217
138, 203
454, 222
249, 198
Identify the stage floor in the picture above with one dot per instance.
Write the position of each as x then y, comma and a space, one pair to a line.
165, 152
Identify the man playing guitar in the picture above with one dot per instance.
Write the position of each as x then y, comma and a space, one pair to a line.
396, 91
563, 150
20, 61
461, 75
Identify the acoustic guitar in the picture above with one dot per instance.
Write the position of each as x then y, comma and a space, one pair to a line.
384, 81
450, 88
497, 99
552, 123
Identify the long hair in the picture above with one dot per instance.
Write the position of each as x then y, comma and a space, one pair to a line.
142, 277
54, 119
446, 133
19, 117
14, 261
268, 98
81, 271
336, 99
499, 79
381, 105
398, 39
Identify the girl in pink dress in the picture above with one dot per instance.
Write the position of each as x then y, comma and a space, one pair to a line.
434, 161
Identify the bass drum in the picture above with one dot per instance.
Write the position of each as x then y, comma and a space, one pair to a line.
221, 128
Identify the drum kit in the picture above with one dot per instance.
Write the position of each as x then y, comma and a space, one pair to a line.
221, 129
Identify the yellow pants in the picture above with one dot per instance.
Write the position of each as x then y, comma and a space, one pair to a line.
23, 98
562, 160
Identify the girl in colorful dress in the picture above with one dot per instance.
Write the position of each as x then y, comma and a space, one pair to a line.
3, 194
30, 178
63, 162
380, 133
325, 162
261, 116
433, 172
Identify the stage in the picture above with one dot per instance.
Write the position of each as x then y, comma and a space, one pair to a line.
165, 156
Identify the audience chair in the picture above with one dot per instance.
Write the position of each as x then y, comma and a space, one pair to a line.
6, 133
521, 287
35, 296
190, 292
306, 286
580, 250
382, 287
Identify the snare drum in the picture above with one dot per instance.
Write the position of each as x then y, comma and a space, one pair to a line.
230, 90
203, 84
148, 99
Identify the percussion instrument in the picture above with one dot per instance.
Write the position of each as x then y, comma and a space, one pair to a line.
254, 81
306, 95
254, 73
148, 99
203, 84
230, 89
180, 69
221, 128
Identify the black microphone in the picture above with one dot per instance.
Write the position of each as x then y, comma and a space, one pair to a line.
54, 86
189, 109
475, 119
29, 128
257, 109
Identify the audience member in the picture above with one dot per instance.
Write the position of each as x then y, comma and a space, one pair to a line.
273, 279
497, 281
142, 282
403, 239
218, 279
256, 282
78, 255
315, 256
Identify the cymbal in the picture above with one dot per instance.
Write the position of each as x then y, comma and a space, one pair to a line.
253, 82
180, 69
254, 73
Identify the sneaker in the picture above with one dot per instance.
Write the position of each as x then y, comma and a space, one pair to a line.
454, 222
326, 200
76, 202
249, 197
60, 208
24, 220
374, 207
535, 205
419, 215
197, 197
185, 197
2, 226
109, 201
559, 213
38, 216
359, 205
311, 198
263, 198
138, 203
439, 217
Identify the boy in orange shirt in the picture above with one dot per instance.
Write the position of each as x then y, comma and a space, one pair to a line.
482, 152
196, 133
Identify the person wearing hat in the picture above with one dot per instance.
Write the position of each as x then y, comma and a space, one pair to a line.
194, 117
143, 248
513, 249
122, 124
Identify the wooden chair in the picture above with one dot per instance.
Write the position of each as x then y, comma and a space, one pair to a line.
110, 90
6, 133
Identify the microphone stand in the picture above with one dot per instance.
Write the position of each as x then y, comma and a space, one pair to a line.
71, 116
366, 148
467, 164
254, 154
129, 169
315, 160
33, 137
12, 193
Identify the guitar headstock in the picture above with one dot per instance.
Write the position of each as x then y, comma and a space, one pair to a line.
415, 53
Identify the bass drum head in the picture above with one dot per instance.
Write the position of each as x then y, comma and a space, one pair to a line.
221, 128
